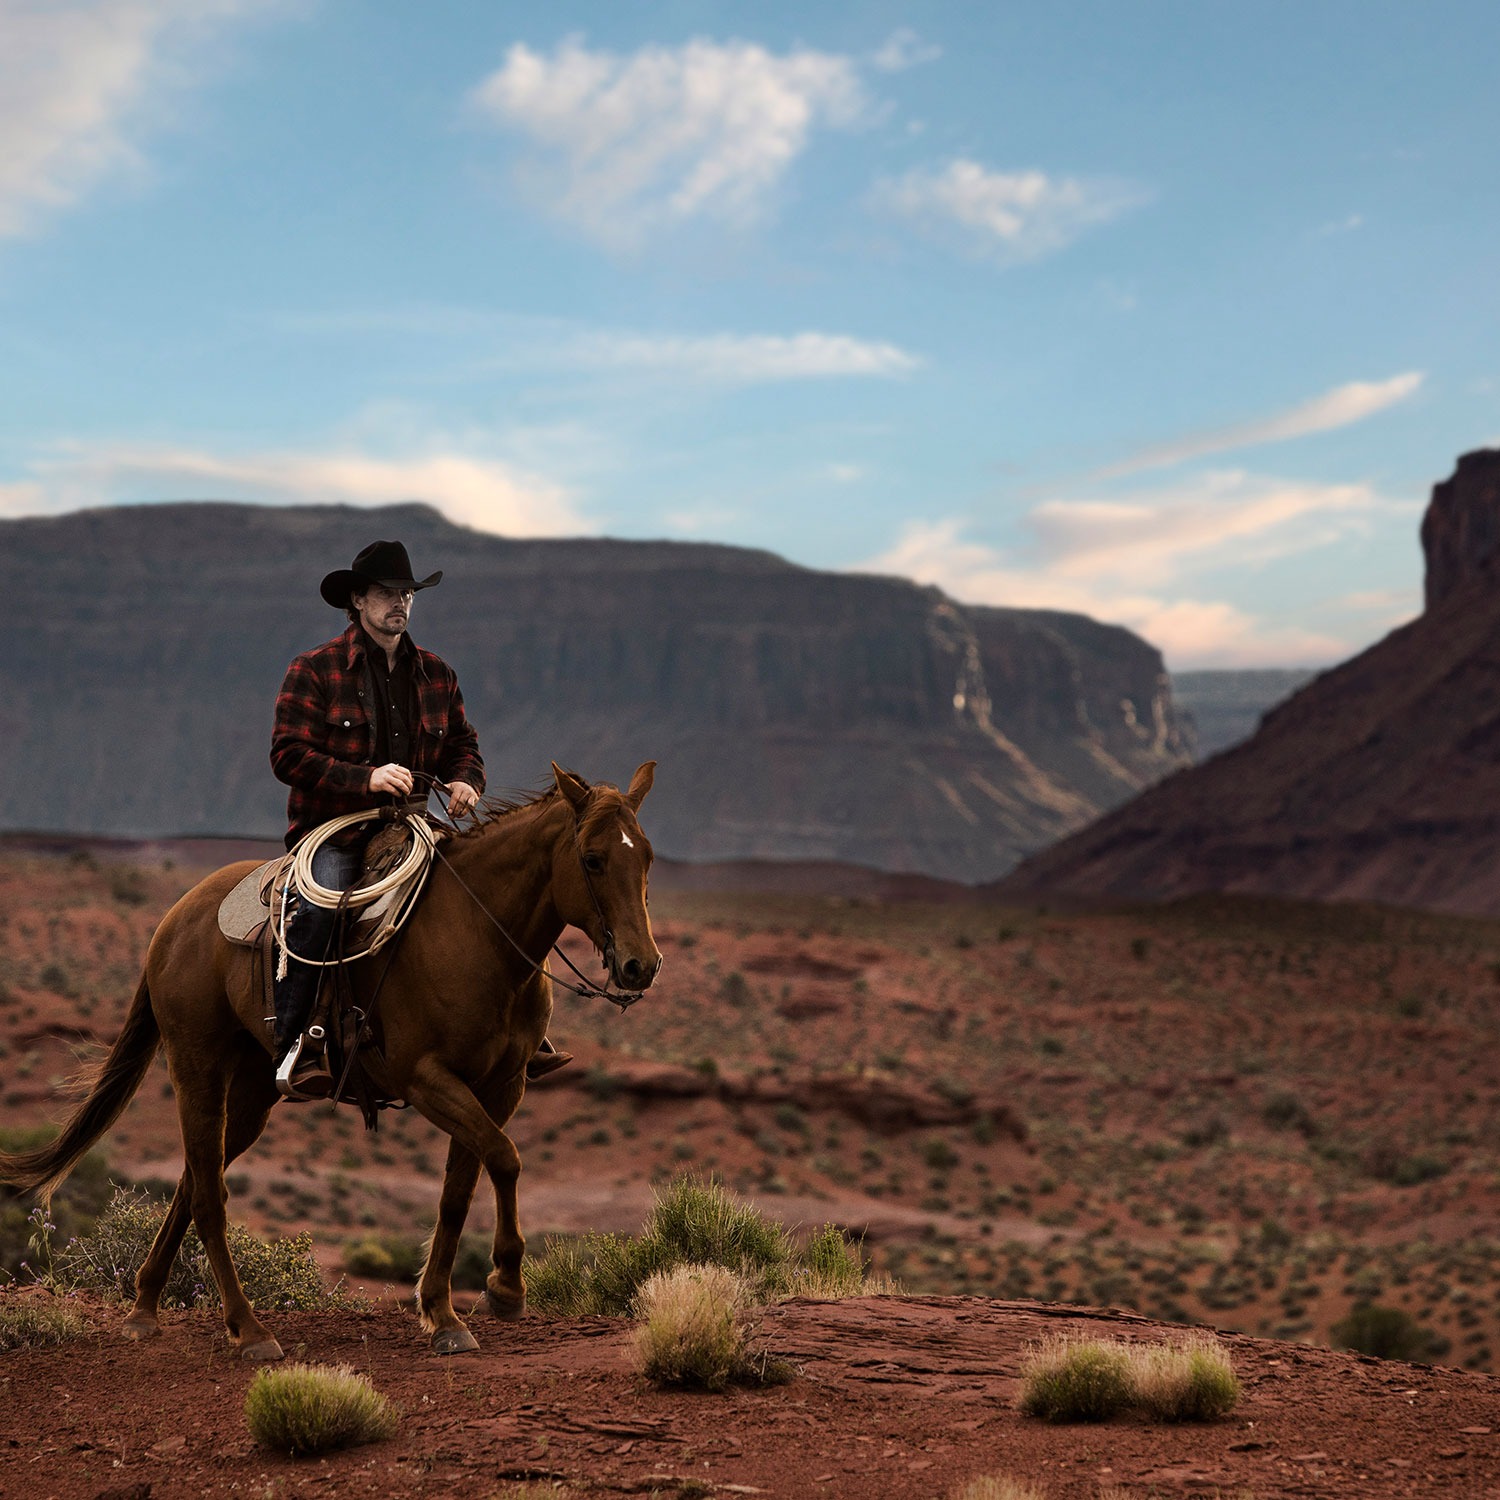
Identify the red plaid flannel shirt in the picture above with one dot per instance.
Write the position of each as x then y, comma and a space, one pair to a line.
323, 742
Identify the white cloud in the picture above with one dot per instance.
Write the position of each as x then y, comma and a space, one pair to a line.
1219, 520
471, 490
1345, 225
635, 142
80, 81
1133, 562
1003, 216
846, 473
733, 358
1340, 407
904, 49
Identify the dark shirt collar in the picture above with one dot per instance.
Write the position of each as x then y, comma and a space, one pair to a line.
359, 640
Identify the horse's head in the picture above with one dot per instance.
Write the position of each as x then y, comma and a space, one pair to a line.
601, 886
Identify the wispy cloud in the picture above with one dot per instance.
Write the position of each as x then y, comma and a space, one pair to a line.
81, 81
1346, 225
735, 358
532, 343
1340, 407
1142, 562
1003, 216
634, 142
470, 489
904, 49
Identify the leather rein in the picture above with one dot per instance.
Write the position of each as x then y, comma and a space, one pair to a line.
588, 989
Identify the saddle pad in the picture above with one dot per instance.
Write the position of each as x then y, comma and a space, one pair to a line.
243, 910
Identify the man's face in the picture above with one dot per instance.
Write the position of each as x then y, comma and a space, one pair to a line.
383, 611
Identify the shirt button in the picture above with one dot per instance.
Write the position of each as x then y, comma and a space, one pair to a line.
346, 723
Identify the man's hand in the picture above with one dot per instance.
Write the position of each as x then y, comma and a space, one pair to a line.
392, 778
461, 798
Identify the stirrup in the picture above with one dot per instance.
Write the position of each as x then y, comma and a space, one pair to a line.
286, 1086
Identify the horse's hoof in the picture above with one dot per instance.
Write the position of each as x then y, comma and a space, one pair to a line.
454, 1341
140, 1328
507, 1311
263, 1352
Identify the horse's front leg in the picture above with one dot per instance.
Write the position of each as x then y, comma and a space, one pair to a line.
435, 1285
451, 1105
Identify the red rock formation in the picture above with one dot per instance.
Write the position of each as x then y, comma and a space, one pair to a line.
1380, 780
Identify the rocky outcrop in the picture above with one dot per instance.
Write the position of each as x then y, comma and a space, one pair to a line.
1461, 530
1379, 780
796, 714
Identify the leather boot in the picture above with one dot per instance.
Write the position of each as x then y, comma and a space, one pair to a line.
546, 1059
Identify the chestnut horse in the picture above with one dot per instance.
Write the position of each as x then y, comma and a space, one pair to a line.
462, 1007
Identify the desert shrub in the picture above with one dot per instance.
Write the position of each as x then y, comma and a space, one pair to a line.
695, 1330
1068, 1381
388, 1257
307, 1409
996, 1487
280, 1275
74, 1207
1188, 1382
831, 1267
1384, 1332
38, 1325
693, 1222
1283, 1111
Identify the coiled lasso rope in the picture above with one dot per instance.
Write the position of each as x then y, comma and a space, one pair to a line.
413, 864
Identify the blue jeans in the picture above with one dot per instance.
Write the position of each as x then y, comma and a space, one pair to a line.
308, 931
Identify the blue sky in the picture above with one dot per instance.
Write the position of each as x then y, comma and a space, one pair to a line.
1170, 313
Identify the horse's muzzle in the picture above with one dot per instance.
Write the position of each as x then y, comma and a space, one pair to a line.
634, 974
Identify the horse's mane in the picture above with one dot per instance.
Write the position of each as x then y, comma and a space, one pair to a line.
493, 807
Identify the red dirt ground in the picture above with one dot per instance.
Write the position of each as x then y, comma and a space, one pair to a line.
1242, 1113
894, 1397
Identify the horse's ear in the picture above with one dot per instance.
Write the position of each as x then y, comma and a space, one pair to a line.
574, 788
640, 784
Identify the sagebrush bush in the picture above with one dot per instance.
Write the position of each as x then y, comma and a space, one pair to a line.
1188, 1382
996, 1487
38, 1325
278, 1275
73, 1209
1065, 1380
307, 1409
693, 1222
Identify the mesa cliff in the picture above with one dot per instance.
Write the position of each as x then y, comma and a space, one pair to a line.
795, 714
1379, 780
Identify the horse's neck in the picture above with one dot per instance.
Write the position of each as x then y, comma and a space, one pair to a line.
508, 866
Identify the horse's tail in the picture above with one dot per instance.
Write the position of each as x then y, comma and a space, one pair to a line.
119, 1076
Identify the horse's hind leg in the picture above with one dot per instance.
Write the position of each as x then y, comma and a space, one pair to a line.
435, 1287
252, 1092
202, 1091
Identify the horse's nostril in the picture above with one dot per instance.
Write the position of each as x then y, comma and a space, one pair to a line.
632, 970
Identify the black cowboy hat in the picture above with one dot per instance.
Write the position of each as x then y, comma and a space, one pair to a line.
380, 562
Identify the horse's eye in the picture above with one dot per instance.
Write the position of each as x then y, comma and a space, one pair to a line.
592, 863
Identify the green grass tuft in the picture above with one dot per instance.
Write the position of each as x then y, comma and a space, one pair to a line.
1188, 1382
38, 1325
695, 1331
1068, 1381
307, 1409
694, 1222
996, 1487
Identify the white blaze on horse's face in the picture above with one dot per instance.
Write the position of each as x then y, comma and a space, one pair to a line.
626, 839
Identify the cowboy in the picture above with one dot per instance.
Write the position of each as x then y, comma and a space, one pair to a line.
365, 717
